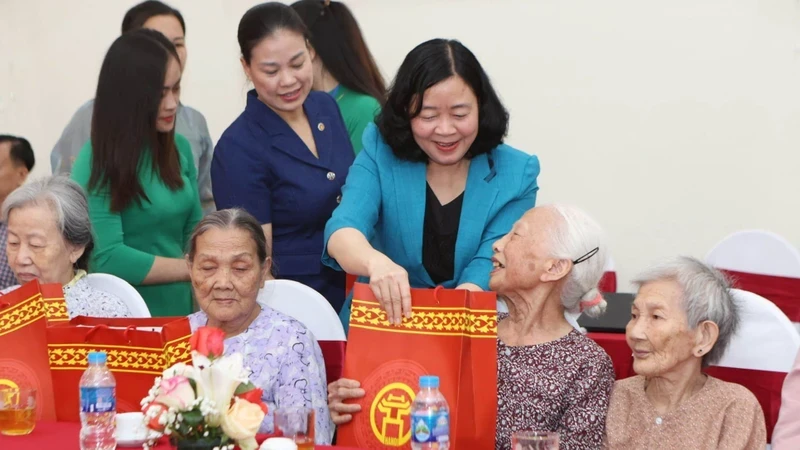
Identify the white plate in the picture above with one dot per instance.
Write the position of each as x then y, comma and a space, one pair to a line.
137, 441
130, 442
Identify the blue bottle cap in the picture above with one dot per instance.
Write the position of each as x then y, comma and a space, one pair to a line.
429, 381
97, 357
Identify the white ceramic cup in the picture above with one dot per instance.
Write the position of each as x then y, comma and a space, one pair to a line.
278, 443
130, 426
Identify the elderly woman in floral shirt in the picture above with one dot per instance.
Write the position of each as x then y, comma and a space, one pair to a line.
228, 264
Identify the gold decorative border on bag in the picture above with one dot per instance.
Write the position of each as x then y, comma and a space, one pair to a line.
177, 351
55, 309
21, 314
438, 321
126, 359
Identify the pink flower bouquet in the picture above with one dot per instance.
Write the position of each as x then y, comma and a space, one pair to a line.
212, 401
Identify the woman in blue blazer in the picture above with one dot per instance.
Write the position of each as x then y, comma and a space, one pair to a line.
434, 186
286, 157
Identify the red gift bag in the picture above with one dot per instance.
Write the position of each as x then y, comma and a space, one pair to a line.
23, 344
138, 350
452, 334
55, 307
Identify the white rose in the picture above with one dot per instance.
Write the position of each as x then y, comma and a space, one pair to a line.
241, 423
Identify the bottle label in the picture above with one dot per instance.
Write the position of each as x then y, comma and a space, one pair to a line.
430, 426
98, 399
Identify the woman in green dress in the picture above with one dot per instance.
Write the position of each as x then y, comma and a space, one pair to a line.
139, 175
343, 65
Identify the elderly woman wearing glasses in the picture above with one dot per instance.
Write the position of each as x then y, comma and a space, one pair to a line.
682, 320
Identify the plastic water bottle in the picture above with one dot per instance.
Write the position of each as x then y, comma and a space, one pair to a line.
430, 417
98, 392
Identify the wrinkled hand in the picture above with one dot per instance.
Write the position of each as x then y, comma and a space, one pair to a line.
339, 391
389, 283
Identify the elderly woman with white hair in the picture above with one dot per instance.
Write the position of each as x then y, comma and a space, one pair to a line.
550, 377
50, 240
682, 320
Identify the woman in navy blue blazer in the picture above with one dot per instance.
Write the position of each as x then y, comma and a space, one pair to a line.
434, 186
286, 157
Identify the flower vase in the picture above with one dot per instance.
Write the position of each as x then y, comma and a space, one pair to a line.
201, 444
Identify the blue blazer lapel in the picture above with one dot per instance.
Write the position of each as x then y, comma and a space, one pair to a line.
322, 129
293, 146
479, 196
285, 139
409, 189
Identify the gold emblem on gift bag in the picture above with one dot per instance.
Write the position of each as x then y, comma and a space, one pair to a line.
390, 414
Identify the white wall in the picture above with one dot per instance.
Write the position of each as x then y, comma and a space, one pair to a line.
674, 123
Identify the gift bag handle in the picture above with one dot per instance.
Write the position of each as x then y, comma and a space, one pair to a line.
436, 291
94, 329
127, 332
439, 288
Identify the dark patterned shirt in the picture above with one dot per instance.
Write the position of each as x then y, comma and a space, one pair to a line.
7, 277
562, 385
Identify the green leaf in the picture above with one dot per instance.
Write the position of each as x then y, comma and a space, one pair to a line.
193, 384
192, 418
244, 387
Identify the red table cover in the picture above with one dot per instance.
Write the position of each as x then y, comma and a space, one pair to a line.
766, 386
617, 348
333, 353
783, 291
64, 436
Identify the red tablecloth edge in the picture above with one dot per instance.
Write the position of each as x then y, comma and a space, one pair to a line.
64, 436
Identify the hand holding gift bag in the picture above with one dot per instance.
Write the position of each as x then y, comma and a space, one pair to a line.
451, 334
138, 350
23, 341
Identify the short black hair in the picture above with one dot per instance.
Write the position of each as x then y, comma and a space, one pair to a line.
426, 65
21, 150
141, 13
262, 21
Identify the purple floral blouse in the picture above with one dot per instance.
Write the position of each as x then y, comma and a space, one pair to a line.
286, 362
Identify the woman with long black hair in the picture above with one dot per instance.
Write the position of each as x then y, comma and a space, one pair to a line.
139, 175
343, 65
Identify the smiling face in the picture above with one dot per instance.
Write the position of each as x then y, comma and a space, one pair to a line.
226, 275
281, 71
658, 332
521, 257
36, 249
447, 123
